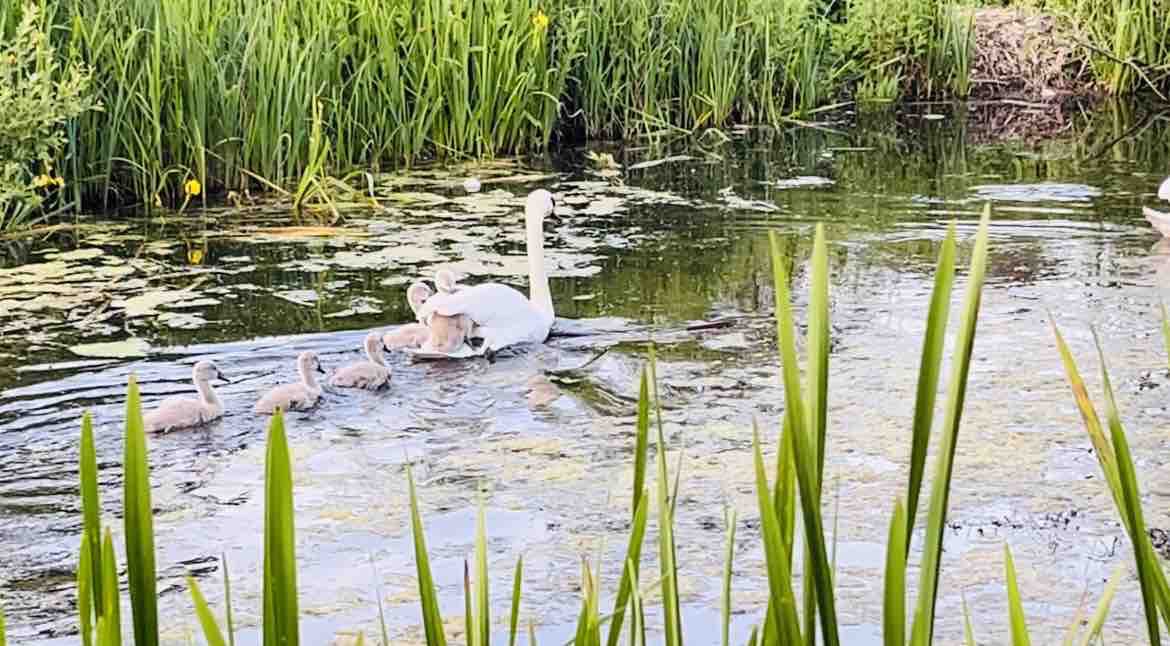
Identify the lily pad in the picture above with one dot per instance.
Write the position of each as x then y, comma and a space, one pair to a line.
131, 348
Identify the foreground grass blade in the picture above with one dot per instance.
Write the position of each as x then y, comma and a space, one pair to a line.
468, 611
633, 556
428, 596
139, 525
588, 624
672, 613
3, 633
782, 604
817, 406
211, 632
517, 582
1147, 563
91, 511
818, 350
281, 613
817, 560
639, 511
384, 629
929, 369
894, 605
1102, 611
85, 593
227, 601
1111, 452
728, 556
641, 442
923, 631
482, 596
110, 624
1018, 624
637, 613
968, 631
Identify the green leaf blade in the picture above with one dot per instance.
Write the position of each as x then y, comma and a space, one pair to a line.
929, 370
1017, 622
139, 525
281, 613
211, 632
923, 627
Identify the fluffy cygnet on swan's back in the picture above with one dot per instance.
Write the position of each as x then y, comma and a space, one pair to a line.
447, 333
299, 396
370, 374
185, 412
411, 335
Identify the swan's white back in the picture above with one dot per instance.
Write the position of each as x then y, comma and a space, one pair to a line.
502, 315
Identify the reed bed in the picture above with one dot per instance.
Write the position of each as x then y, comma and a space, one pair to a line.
217, 98
789, 494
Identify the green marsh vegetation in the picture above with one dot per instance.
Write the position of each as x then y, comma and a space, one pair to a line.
788, 456
233, 97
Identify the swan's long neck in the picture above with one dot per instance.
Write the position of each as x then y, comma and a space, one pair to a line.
206, 392
374, 352
538, 292
308, 377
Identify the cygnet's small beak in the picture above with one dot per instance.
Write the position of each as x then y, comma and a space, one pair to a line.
224, 378
320, 369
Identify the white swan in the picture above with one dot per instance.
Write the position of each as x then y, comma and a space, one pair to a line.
184, 412
370, 374
1158, 219
500, 315
410, 335
299, 396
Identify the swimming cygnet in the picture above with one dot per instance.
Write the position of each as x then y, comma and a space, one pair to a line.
184, 412
370, 374
447, 333
411, 335
299, 396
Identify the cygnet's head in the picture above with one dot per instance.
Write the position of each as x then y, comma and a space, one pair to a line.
417, 294
1164, 190
206, 371
373, 344
445, 281
540, 204
307, 362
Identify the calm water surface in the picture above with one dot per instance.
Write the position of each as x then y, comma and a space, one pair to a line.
637, 255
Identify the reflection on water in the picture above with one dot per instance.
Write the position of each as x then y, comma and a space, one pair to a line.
548, 454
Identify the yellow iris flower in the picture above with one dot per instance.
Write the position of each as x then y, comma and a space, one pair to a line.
192, 187
539, 20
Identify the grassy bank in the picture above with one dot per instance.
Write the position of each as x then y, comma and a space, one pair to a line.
243, 96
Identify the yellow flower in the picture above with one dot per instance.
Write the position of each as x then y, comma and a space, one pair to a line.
43, 180
193, 187
59, 181
539, 21
195, 256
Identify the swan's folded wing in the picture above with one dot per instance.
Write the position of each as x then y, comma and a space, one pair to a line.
484, 304
1164, 189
